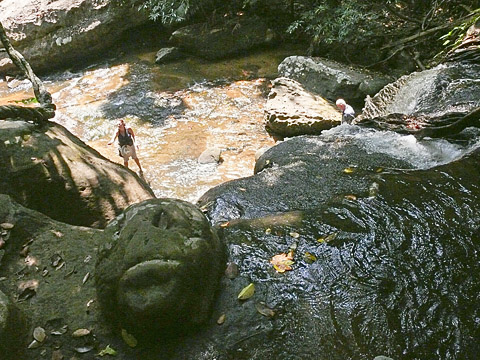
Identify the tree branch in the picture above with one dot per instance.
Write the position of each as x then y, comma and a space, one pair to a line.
42, 95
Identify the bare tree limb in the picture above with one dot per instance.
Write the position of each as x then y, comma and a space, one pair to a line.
42, 95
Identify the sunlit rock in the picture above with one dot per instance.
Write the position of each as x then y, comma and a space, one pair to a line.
447, 88
50, 170
333, 80
291, 110
54, 33
159, 269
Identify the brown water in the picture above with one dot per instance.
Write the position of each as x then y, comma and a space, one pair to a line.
177, 111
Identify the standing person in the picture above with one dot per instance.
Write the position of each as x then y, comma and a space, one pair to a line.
126, 144
348, 114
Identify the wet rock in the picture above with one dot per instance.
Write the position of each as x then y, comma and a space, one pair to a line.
224, 39
291, 110
50, 170
159, 270
55, 33
333, 80
169, 54
445, 89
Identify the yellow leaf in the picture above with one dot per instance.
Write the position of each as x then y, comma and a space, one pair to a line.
309, 257
247, 292
348, 170
268, 231
225, 224
351, 197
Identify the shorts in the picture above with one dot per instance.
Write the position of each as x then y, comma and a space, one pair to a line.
127, 151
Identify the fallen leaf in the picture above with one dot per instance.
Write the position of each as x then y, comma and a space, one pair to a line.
57, 355
80, 332
84, 349
309, 257
39, 334
282, 262
247, 292
225, 224
129, 339
6, 226
242, 189
295, 235
108, 351
34, 344
351, 197
348, 170
379, 170
85, 278
268, 231
221, 319
263, 309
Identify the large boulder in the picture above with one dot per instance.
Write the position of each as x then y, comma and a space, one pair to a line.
56, 33
333, 80
159, 269
445, 89
227, 38
50, 170
291, 110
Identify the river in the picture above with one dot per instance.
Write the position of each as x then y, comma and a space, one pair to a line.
176, 110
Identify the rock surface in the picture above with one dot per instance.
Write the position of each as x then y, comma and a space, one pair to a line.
291, 110
228, 38
333, 80
50, 170
159, 270
55, 33
447, 88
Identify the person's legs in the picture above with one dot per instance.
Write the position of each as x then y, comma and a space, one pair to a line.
139, 166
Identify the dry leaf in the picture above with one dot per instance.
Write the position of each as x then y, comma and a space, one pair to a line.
263, 309
247, 292
348, 170
39, 334
225, 224
295, 235
221, 319
282, 262
80, 332
351, 197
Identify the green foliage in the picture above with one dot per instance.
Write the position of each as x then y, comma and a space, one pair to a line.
454, 37
342, 22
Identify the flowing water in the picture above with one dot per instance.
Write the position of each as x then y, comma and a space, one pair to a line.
401, 278
176, 110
